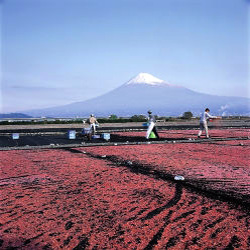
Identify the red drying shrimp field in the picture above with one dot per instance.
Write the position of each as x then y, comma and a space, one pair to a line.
125, 196
191, 134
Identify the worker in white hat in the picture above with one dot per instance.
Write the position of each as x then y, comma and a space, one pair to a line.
93, 123
205, 117
151, 126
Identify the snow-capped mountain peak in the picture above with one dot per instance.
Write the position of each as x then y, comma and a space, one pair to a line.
145, 78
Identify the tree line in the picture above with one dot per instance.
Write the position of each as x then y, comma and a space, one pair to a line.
111, 119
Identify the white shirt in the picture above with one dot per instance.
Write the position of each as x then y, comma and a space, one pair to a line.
205, 117
151, 118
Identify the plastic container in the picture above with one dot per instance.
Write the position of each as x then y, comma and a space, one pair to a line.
179, 178
105, 136
72, 134
15, 136
86, 131
96, 136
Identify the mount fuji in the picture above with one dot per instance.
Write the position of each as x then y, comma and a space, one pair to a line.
145, 92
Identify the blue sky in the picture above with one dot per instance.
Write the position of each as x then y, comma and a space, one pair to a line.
57, 52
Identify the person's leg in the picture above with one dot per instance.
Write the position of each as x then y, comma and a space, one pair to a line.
94, 128
206, 130
201, 129
89, 135
150, 127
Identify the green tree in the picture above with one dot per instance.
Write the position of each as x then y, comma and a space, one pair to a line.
138, 118
187, 115
113, 117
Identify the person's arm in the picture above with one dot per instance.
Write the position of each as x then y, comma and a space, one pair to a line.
211, 116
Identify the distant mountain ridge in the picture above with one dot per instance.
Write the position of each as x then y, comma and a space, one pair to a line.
145, 92
14, 115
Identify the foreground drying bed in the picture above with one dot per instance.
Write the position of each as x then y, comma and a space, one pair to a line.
124, 197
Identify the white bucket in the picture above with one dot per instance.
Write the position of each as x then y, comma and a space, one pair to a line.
71, 134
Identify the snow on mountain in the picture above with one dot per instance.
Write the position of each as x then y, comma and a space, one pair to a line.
145, 92
145, 78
